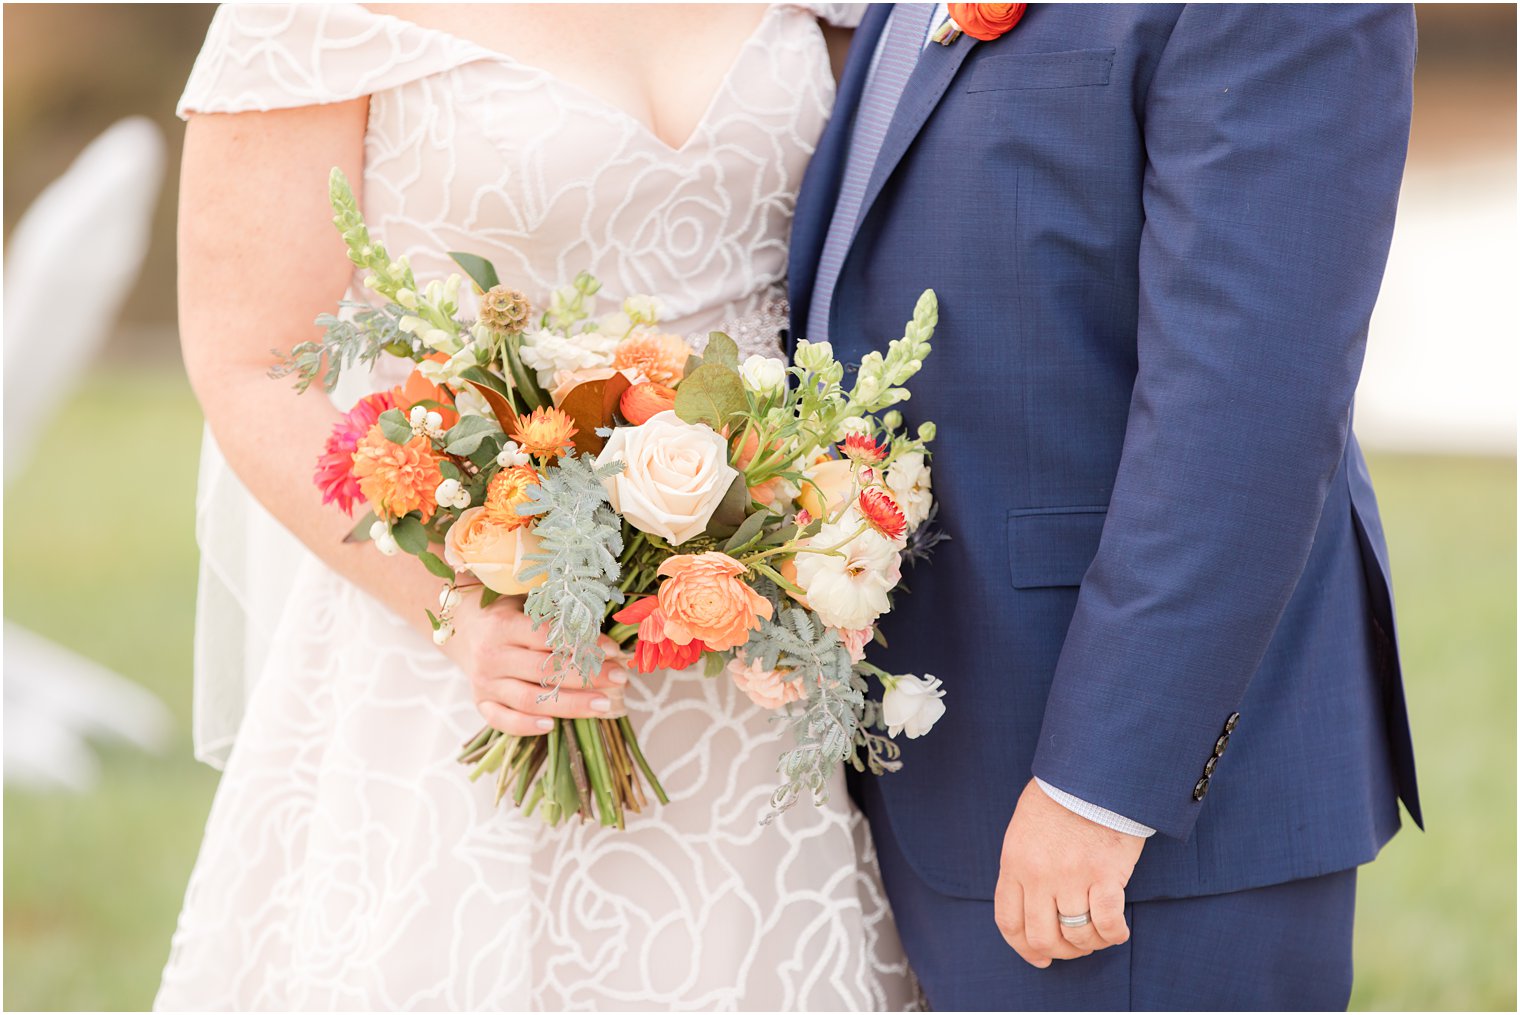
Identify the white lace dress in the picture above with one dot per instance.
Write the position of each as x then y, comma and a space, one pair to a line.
347, 863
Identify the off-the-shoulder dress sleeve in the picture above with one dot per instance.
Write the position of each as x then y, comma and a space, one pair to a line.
838, 15
259, 57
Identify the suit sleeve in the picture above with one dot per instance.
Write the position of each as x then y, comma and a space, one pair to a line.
1275, 139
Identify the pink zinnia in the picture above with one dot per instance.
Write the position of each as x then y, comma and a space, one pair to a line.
335, 469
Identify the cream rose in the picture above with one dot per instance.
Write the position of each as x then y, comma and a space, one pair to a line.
491, 551
675, 476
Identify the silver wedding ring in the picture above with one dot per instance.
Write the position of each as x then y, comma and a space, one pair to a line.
1074, 921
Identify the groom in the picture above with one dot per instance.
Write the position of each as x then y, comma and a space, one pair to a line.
1176, 724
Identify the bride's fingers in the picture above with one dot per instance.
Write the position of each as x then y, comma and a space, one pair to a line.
513, 723
532, 698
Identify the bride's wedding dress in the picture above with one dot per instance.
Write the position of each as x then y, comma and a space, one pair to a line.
347, 861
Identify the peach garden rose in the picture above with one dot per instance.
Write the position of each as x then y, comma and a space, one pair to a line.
493, 552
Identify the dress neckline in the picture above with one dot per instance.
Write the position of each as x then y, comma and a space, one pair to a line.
551, 78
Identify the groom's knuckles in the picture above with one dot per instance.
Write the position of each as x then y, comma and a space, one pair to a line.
1107, 903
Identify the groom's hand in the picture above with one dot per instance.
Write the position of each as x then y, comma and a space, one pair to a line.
1055, 861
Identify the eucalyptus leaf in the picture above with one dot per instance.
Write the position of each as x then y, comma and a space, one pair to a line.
395, 426
481, 271
748, 533
480, 375
465, 436
435, 564
711, 394
712, 664
410, 535
729, 514
721, 350
488, 596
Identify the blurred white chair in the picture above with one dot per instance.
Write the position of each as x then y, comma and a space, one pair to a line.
71, 261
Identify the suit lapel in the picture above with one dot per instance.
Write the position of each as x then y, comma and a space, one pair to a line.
930, 80
820, 184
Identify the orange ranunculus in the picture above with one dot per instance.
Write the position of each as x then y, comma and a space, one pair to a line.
827, 487
419, 390
660, 358
986, 22
507, 489
397, 478
643, 402
703, 597
653, 650
493, 552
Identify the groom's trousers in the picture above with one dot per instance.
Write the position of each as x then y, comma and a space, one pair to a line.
1285, 947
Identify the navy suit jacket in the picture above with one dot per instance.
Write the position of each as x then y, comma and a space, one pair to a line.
1157, 233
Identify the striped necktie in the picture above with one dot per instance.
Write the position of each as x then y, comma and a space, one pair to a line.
906, 31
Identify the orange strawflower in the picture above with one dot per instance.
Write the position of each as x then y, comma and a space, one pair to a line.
863, 449
397, 478
882, 512
507, 489
545, 433
660, 358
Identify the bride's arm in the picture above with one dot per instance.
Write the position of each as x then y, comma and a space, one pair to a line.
258, 261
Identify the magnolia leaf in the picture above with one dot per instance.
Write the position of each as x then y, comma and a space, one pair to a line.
360, 532
506, 416
410, 535
591, 406
465, 436
710, 394
749, 532
395, 426
481, 271
721, 350
731, 510
435, 564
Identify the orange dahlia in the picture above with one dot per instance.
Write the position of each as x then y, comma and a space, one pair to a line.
545, 432
660, 358
397, 478
882, 512
507, 489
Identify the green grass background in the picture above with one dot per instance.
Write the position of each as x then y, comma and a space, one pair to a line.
93, 882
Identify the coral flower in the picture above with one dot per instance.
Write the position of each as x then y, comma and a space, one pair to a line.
418, 390
861, 448
643, 402
335, 468
654, 651
878, 508
660, 358
704, 598
507, 489
544, 433
766, 688
397, 478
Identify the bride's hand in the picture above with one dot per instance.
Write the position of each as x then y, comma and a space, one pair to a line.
506, 660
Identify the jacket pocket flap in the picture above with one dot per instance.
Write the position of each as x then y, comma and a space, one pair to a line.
1042, 70
1053, 547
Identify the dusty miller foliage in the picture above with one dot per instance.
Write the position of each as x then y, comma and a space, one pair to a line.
580, 538
345, 344
826, 722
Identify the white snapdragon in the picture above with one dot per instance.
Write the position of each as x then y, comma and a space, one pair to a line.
469, 402
549, 352
912, 705
814, 356
850, 589
908, 479
642, 309
449, 371
764, 375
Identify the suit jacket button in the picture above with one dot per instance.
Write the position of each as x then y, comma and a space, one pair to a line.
1209, 766
1231, 722
1202, 789
1221, 744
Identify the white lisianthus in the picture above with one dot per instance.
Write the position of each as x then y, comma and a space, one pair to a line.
675, 477
908, 479
912, 705
448, 372
849, 590
641, 309
549, 352
764, 375
470, 402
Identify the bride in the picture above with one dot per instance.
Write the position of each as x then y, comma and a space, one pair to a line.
347, 862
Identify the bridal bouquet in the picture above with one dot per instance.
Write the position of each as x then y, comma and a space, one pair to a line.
749, 517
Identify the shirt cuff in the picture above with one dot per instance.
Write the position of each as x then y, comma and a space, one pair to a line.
1094, 813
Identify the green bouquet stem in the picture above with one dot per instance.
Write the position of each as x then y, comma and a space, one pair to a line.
591, 768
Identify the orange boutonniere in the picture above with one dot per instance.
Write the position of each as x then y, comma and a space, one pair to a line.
984, 22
